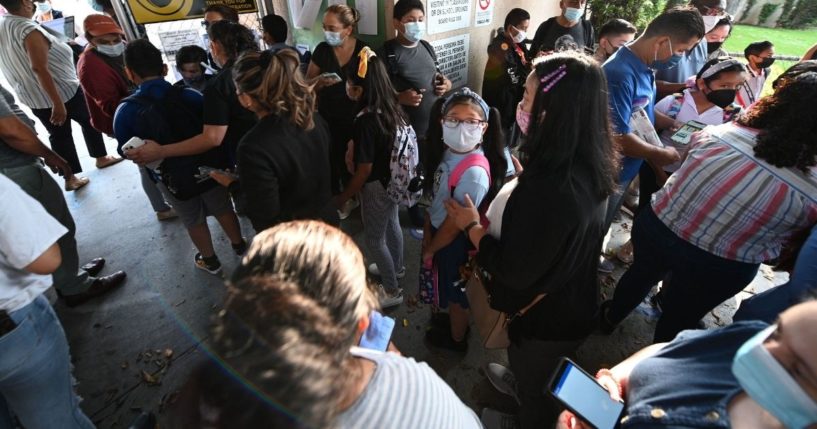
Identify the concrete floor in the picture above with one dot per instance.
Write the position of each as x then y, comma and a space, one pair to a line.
133, 348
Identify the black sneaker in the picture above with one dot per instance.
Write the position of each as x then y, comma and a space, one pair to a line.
240, 248
605, 326
211, 264
442, 338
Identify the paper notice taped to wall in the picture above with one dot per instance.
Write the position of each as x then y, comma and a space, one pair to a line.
452, 54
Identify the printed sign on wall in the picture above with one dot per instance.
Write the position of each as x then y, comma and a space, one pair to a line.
484, 12
172, 41
452, 53
150, 11
448, 15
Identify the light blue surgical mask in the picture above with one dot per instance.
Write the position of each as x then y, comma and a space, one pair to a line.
572, 14
111, 50
669, 63
333, 38
414, 31
43, 7
769, 384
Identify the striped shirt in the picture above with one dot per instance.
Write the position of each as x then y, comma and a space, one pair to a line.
16, 65
729, 203
405, 394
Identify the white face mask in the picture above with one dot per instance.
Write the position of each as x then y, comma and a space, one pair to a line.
520, 35
710, 22
462, 138
111, 50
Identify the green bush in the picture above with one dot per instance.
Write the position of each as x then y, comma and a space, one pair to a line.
802, 16
765, 12
639, 12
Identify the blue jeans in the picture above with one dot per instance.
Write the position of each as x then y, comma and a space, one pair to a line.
768, 305
700, 280
35, 372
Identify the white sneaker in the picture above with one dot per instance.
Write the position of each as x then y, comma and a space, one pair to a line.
389, 299
348, 206
493, 419
373, 270
502, 379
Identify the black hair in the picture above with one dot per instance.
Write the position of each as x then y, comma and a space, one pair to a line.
11, 5
143, 59
570, 135
616, 27
515, 17
378, 94
737, 67
493, 143
233, 37
704, 6
757, 48
787, 120
228, 13
276, 27
679, 23
403, 7
190, 54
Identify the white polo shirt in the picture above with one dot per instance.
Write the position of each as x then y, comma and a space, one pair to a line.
688, 112
26, 232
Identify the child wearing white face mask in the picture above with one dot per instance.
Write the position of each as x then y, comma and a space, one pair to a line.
465, 158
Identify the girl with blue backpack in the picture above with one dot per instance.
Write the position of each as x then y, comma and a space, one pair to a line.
465, 156
378, 128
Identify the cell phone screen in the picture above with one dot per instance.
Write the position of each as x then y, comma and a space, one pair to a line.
588, 399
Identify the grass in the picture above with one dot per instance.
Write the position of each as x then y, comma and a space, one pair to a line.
792, 43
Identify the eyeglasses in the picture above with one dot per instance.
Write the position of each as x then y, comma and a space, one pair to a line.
468, 124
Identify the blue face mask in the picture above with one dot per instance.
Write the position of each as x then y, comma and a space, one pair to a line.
669, 63
333, 38
769, 384
414, 31
43, 7
572, 14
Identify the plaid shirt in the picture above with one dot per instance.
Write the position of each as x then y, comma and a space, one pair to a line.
729, 203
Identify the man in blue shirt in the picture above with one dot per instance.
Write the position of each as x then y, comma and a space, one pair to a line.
631, 85
136, 116
672, 80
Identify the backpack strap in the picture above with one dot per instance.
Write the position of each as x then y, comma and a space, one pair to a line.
391, 57
676, 105
433, 54
473, 160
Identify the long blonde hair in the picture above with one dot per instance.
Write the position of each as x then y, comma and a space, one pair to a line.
275, 82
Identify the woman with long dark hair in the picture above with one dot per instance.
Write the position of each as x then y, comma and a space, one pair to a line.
546, 228
226, 120
375, 129
744, 189
465, 157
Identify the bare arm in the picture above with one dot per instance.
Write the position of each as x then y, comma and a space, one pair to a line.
20, 137
37, 46
809, 54
446, 233
664, 122
634, 147
211, 137
667, 88
362, 173
46, 263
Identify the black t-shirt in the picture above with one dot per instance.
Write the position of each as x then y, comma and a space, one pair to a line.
284, 173
333, 103
550, 30
221, 107
373, 145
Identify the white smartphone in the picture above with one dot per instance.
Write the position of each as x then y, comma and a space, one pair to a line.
333, 76
582, 395
135, 142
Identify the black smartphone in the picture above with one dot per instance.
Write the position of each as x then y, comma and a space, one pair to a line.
582, 395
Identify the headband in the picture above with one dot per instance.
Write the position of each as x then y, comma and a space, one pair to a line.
363, 67
466, 92
718, 67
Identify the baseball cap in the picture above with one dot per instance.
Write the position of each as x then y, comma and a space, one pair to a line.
98, 25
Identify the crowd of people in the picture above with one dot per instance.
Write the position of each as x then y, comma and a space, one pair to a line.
511, 188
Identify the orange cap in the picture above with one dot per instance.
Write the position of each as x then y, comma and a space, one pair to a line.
98, 25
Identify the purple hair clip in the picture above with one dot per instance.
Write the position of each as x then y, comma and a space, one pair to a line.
553, 78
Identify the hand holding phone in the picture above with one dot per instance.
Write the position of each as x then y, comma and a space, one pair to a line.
330, 78
684, 134
584, 397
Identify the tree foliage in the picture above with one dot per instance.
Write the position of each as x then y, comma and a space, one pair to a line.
639, 12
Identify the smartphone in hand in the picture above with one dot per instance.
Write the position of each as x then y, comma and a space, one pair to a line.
579, 392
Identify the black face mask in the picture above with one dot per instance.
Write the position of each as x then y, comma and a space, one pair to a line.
722, 97
766, 63
713, 46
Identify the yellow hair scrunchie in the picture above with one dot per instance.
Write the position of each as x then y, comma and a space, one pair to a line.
363, 67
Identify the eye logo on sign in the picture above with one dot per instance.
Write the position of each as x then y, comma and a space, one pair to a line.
153, 10
484, 4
